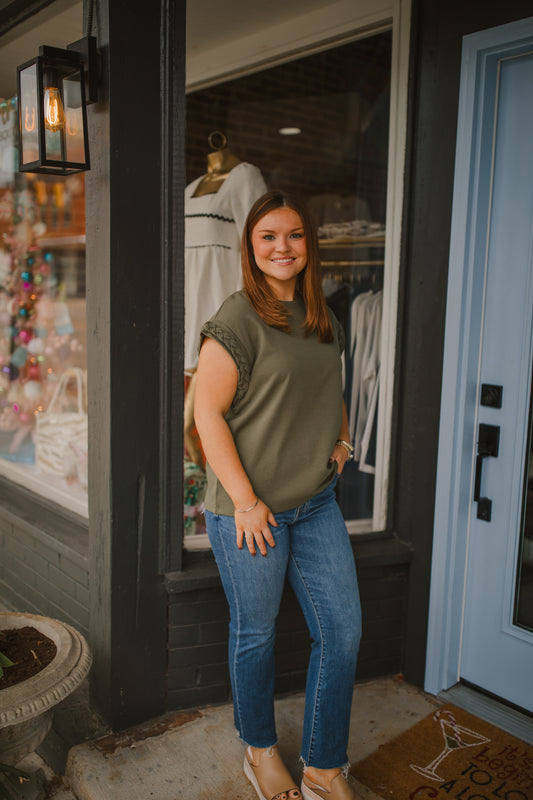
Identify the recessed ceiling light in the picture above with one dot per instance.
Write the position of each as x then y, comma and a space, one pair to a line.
290, 131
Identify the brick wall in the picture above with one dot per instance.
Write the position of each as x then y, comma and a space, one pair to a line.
198, 630
41, 575
198, 648
383, 591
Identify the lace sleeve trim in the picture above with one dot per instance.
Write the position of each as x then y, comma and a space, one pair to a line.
234, 346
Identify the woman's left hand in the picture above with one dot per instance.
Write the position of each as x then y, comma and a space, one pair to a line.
340, 455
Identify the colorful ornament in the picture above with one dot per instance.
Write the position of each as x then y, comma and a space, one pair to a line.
18, 358
36, 346
33, 390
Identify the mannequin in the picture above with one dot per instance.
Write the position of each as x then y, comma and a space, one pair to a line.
219, 165
216, 206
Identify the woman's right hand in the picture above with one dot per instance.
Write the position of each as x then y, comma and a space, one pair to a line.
253, 528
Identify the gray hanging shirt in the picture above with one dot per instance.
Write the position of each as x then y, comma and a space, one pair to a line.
287, 411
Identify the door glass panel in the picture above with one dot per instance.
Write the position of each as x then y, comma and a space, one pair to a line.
523, 611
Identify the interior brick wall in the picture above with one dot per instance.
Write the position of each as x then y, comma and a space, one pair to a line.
339, 151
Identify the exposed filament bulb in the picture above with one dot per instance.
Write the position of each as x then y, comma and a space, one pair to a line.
54, 113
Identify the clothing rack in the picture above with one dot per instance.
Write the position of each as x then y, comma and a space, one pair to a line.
346, 248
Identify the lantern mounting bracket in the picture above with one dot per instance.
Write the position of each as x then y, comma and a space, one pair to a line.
86, 48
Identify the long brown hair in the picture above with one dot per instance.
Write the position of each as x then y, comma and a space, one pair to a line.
309, 283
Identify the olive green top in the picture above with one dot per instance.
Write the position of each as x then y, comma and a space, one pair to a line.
287, 411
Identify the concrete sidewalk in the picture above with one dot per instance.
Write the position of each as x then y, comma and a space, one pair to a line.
197, 756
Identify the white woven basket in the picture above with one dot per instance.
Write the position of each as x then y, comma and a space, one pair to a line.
57, 430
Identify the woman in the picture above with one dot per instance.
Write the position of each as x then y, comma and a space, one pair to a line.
274, 429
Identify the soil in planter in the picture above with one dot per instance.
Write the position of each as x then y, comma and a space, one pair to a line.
29, 650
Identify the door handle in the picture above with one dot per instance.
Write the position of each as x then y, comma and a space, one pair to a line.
488, 444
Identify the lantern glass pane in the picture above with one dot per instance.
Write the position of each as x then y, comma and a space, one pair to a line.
74, 128
29, 115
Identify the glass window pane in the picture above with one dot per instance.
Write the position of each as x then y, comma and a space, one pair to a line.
43, 417
316, 127
28, 111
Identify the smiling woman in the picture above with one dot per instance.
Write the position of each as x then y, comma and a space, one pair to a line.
280, 250
274, 427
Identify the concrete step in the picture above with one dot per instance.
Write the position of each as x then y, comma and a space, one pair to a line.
198, 756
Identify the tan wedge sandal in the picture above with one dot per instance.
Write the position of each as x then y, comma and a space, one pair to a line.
269, 776
339, 789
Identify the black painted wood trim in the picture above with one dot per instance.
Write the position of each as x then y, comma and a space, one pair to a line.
382, 552
132, 235
19, 11
172, 69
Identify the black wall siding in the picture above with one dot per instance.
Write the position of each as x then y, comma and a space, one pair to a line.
438, 28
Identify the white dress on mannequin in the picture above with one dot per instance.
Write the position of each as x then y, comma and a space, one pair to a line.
213, 228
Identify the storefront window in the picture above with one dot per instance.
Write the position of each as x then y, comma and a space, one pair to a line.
317, 127
43, 410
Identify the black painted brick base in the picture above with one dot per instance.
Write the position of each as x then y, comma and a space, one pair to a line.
198, 628
41, 575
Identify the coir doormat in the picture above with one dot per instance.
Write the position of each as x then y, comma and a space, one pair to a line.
450, 755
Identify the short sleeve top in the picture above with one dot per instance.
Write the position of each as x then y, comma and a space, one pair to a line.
287, 411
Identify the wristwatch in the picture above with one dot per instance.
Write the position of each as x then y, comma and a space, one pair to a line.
347, 446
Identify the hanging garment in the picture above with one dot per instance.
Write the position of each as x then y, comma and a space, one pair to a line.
359, 321
366, 357
213, 228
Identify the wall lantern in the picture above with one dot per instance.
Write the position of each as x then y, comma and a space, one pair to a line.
53, 91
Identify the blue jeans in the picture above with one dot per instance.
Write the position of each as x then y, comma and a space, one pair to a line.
313, 551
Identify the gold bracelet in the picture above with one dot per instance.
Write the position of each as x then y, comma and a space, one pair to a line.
244, 510
347, 446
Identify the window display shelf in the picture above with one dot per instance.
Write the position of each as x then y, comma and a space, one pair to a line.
62, 241
354, 241
54, 489
361, 248
200, 541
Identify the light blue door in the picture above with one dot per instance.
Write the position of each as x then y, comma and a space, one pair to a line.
496, 646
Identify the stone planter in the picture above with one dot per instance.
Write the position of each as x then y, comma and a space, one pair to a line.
26, 709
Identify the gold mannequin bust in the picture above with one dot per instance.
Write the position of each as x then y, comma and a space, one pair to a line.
219, 165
